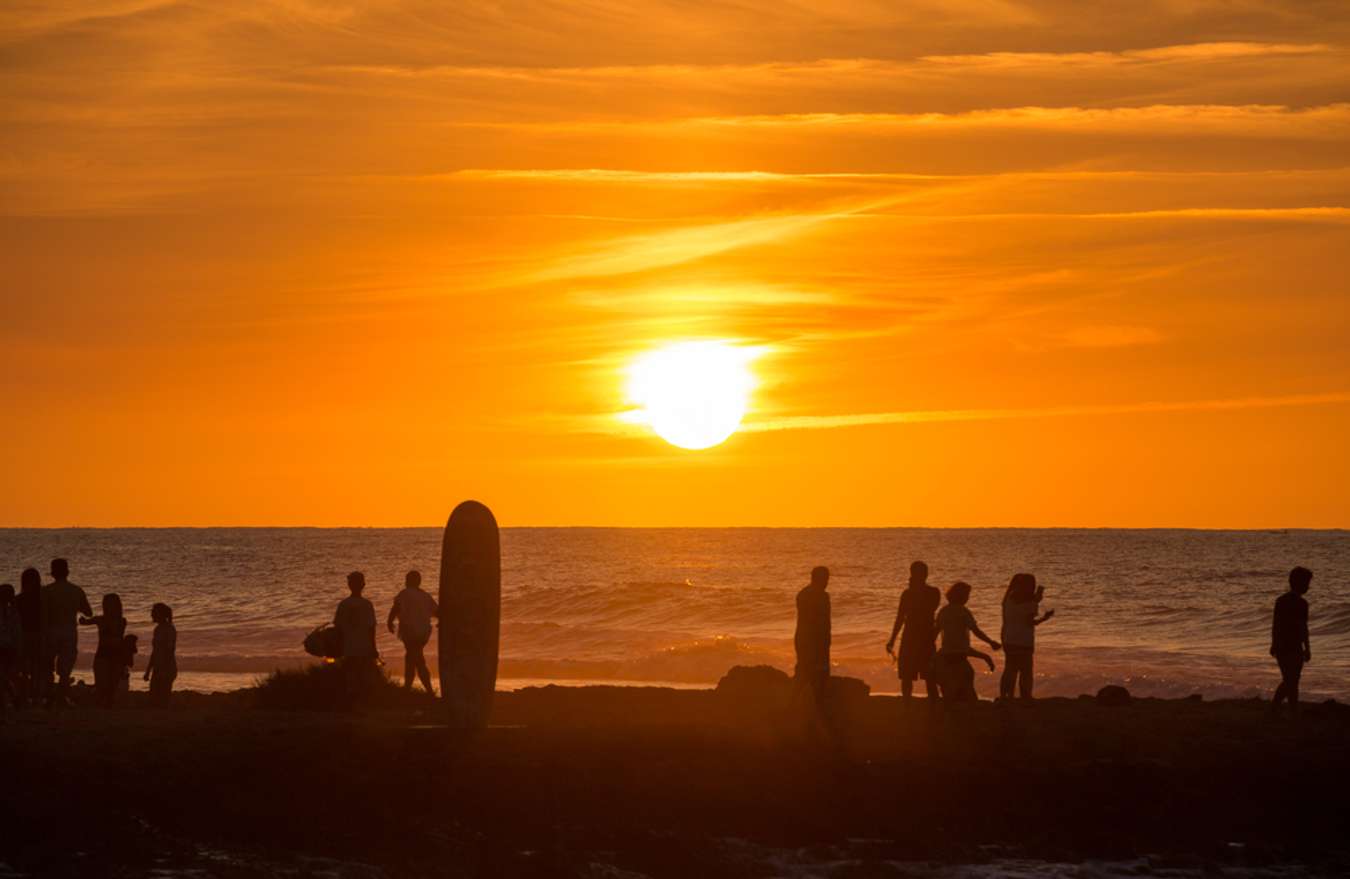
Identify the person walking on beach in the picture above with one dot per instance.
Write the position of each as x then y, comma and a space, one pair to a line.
62, 604
162, 668
1289, 638
414, 611
35, 677
955, 623
918, 604
1020, 603
110, 658
355, 619
812, 641
11, 645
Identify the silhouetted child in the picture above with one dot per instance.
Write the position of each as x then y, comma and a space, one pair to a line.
162, 668
812, 641
918, 603
1020, 604
129, 650
955, 624
1289, 638
110, 658
11, 645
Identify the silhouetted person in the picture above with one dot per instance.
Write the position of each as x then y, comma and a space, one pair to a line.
812, 640
36, 677
414, 610
11, 645
955, 623
355, 619
62, 604
1289, 638
1020, 604
110, 658
918, 604
162, 669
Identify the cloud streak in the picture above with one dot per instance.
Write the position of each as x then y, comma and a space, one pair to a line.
930, 416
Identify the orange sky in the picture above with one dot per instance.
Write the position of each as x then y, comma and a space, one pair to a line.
1010, 263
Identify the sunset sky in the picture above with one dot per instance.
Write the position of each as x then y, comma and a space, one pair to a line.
999, 263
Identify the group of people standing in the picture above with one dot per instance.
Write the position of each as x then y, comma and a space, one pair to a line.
40, 638
935, 643
934, 639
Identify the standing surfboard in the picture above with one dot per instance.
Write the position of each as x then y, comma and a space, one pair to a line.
471, 609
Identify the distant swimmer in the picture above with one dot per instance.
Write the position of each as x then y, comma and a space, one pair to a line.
414, 610
1020, 604
1289, 638
918, 604
62, 604
812, 640
955, 623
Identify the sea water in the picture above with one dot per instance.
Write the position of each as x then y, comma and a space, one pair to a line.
1164, 612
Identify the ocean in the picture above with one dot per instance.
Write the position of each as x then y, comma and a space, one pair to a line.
1163, 612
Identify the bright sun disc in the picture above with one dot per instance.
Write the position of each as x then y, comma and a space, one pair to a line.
692, 394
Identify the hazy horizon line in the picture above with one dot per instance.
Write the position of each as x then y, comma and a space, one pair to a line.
1199, 528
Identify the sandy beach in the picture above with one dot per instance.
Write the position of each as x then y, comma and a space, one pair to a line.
623, 782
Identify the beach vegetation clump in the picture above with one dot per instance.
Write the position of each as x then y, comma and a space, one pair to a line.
327, 687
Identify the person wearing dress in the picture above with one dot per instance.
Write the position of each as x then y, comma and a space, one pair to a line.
162, 669
110, 657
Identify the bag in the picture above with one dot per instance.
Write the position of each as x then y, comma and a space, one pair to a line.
324, 642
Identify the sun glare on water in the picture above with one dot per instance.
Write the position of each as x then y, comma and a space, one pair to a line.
692, 394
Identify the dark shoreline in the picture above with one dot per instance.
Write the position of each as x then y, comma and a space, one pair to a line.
661, 782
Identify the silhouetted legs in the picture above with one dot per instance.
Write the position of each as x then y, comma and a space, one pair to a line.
106, 675
1017, 665
907, 688
956, 677
161, 685
34, 675
813, 693
415, 663
1291, 669
63, 645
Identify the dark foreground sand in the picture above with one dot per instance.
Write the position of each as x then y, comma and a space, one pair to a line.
622, 782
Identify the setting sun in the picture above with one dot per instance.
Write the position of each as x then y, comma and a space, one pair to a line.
692, 394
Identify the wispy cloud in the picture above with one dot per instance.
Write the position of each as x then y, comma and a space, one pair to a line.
869, 419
